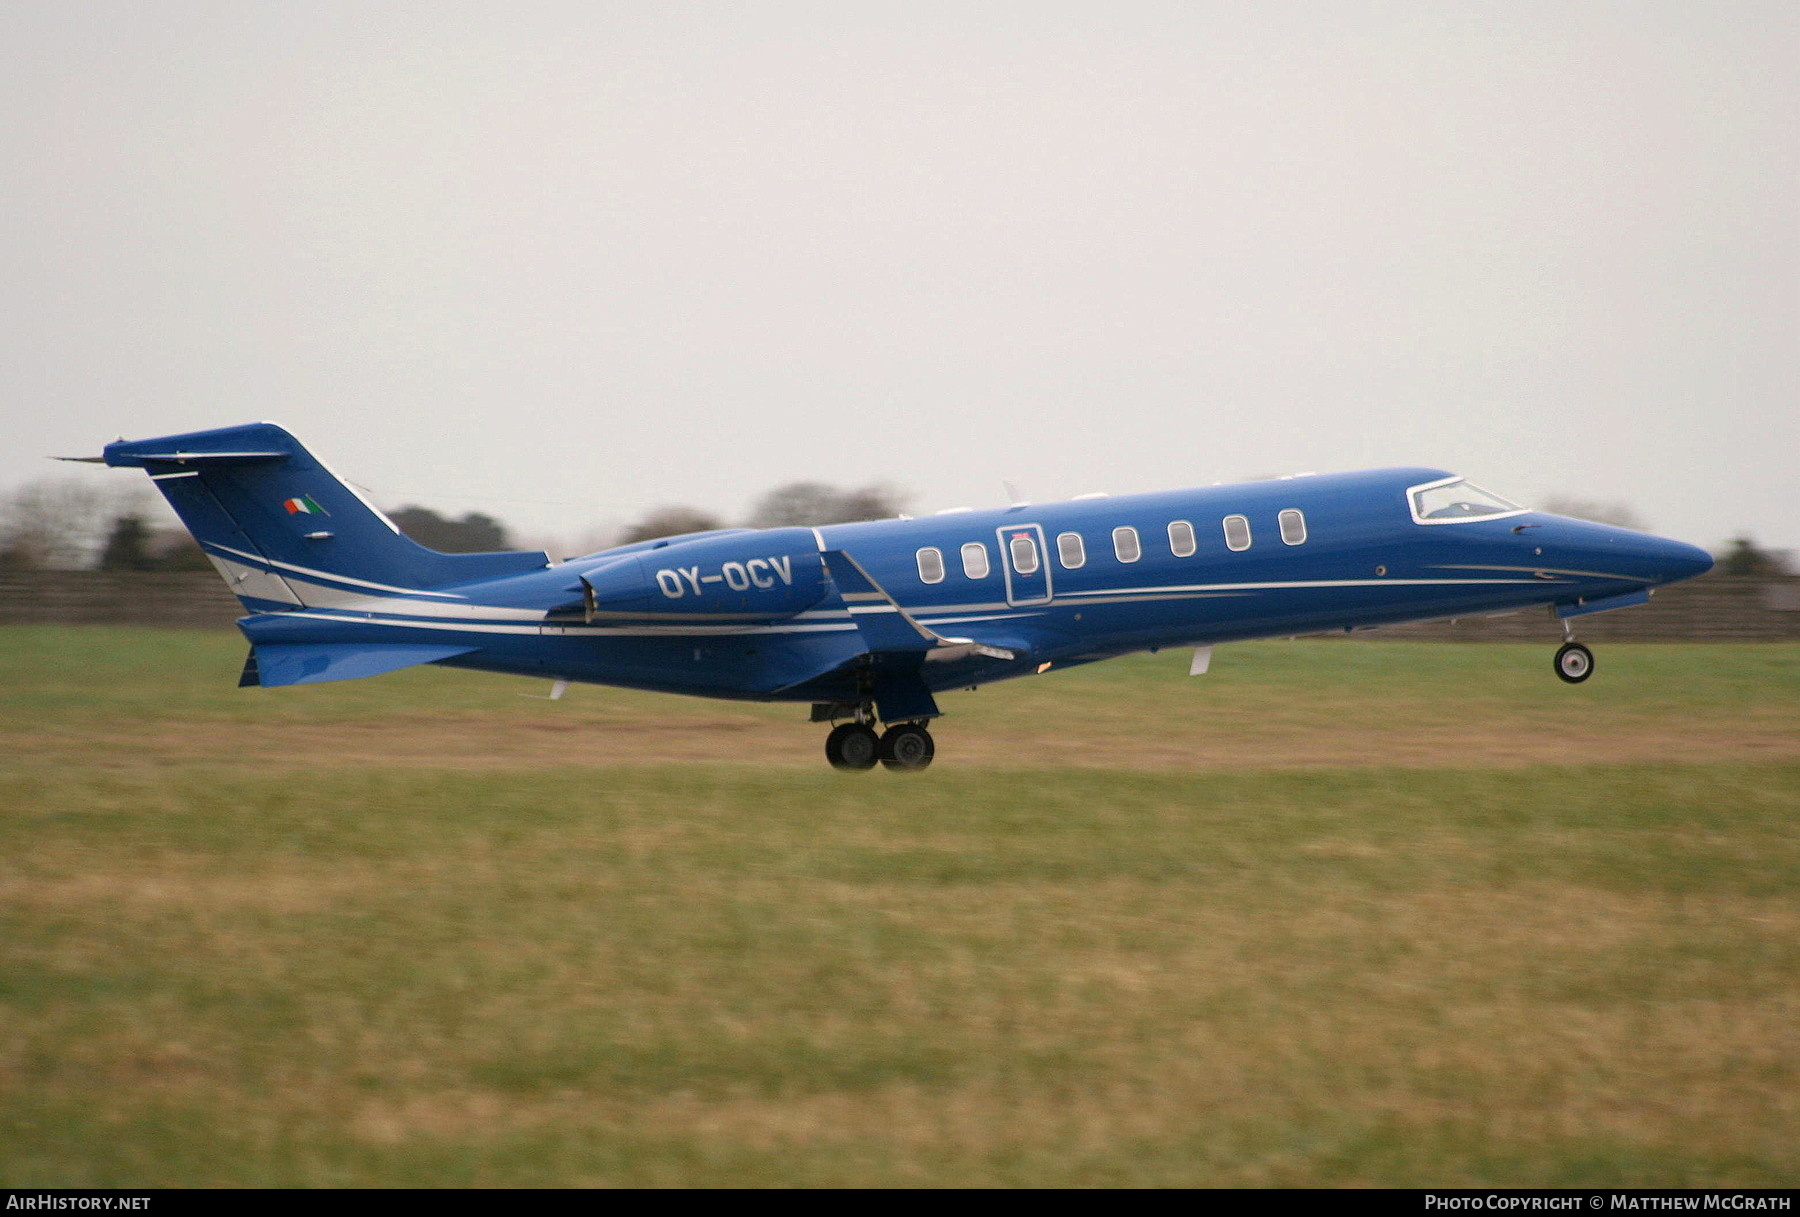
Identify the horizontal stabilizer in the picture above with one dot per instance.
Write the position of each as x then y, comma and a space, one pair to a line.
310, 663
133, 456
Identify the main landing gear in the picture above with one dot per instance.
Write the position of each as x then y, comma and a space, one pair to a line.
905, 746
1574, 662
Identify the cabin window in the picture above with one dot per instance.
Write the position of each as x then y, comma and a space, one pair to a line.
1070, 549
1181, 539
931, 565
1293, 527
1125, 544
1024, 554
1237, 532
975, 560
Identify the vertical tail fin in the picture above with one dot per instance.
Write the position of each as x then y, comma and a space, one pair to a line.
284, 530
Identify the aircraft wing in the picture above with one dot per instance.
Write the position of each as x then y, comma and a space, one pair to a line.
885, 626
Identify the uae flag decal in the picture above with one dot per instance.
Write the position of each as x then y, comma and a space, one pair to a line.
304, 506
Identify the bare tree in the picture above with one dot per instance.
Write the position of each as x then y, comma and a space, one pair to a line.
475, 533
127, 546
176, 549
1745, 557
134, 544
669, 522
812, 503
61, 524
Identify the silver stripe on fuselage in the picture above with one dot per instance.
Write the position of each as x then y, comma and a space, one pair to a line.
253, 582
1277, 585
325, 574
317, 595
1548, 570
482, 627
386, 610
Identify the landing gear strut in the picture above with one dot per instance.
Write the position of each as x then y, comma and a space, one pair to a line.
1574, 662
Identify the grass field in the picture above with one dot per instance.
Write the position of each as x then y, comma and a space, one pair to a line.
1337, 913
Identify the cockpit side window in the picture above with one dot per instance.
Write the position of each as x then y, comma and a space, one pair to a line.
1454, 500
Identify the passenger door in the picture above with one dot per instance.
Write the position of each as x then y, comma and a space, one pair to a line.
1026, 563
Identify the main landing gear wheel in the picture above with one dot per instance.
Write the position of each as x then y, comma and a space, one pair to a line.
852, 746
908, 746
1574, 662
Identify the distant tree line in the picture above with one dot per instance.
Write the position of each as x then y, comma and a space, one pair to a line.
70, 524
78, 525
806, 504
475, 533
134, 545
1744, 558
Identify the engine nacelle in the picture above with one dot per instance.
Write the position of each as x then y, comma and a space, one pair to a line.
741, 578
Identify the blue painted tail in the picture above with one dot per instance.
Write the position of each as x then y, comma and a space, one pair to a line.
286, 531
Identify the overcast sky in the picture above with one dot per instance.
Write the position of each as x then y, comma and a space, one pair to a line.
563, 263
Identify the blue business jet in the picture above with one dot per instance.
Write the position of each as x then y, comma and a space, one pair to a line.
868, 622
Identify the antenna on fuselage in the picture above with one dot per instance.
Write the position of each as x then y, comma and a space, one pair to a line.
1013, 497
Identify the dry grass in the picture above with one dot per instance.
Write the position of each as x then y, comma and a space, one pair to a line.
316, 966
156, 698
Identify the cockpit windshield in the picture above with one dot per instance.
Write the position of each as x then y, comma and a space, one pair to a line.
1453, 501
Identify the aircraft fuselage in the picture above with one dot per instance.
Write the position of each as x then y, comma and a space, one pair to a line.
869, 621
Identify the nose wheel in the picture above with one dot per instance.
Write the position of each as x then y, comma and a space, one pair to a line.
1574, 662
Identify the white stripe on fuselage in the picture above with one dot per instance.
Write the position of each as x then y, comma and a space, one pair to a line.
253, 582
325, 574
1272, 586
482, 627
479, 618
1548, 570
317, 595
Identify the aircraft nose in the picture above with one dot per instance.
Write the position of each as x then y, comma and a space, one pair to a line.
1679, 560
1637, 557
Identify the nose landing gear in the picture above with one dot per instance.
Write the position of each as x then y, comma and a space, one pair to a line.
1574, 662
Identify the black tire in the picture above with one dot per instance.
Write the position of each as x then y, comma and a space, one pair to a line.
852, 746
1574, 663
908, 746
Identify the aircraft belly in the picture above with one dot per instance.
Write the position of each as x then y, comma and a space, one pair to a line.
747, 665
1272, 608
